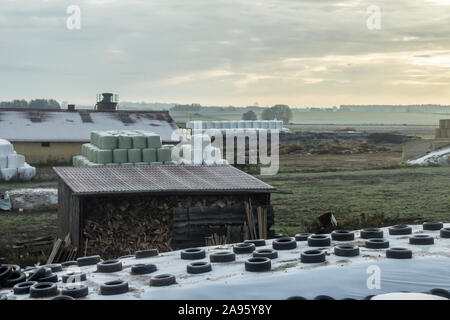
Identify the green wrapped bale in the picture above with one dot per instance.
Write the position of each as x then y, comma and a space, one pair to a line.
124, 141
142, 163
149, 155
106, 141
112, 164
84, 149
92, 153
156, 163
134, 155
153, 141
169, 162
104, 156
164, 154
127, 164
94, 137
139, 141
120, 155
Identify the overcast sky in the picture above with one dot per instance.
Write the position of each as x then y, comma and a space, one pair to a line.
227, 52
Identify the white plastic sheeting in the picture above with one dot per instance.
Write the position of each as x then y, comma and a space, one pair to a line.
338, 277
13, 165
440, 156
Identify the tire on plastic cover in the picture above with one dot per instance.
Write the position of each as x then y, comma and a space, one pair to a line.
109, 266
421, 239
142, 268
23, 287
146, 253
193, 254
266, 253
371, 233
433, 226
88, 261
445, 233
50, 278
5, 271
223, 256
377, 243
14, 278
72, 277
113, 287
400, 229
198, 267
258, 264
77, 291
346, 251
312, 256
162, 280
63, 298
43, 289
257, 242
241, 248
398, 253
302, 236
319, 240
284, 243
342, 235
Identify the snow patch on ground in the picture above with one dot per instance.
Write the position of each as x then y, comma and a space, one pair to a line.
441, 156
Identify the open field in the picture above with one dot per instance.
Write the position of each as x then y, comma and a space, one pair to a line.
358, 190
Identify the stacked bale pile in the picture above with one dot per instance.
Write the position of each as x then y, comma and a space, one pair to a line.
199, 151
134, 147
443, 132
13, 165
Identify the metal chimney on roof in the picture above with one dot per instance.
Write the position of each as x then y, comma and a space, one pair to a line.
71, 107
107, 101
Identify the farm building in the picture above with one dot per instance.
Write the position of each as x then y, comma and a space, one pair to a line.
55, 136
115, 211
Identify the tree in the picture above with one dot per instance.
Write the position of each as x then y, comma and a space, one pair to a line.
279, 112
249, 115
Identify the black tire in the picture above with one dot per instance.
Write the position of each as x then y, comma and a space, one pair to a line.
146, 253
50, 278
162, 280
302, 236
69, 263
241, 248
346, 251
142, 268
258, 264
400, 229
398, 253
73, 277
266, 253
433, 226
323, 297
23, 287
445, 233
277, 235
88, 261
257, 242
78, 291
342, 235
43, 289
372, 233
113, 287
39, 273
377, 243
109, 266
312, 256
193, 254
296, 298
284, 244
440, 292
5, 272
198, 267
223, 256
63, 298
55, 267
319, 240
14, 278
421, 239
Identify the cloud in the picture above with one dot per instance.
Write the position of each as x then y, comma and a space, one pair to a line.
299, 52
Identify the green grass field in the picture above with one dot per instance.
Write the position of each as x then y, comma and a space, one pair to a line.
359, 198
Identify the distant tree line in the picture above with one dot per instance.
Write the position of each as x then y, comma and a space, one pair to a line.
32, 104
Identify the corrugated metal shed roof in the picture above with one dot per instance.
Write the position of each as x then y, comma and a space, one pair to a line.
153, 179
76, 126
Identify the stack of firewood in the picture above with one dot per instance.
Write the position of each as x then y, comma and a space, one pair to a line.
117, 227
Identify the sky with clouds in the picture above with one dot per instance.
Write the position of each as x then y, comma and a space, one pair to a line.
227, 52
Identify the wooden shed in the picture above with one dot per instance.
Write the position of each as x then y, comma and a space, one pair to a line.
115, 211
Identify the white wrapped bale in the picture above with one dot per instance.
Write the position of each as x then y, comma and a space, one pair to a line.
77, 160
200, 141
94, 137
3, 162
197, 156
186, 152
149, 155
6, 148
85, 149
164, 154
120, 155
104, 156
8, 174
134, 155
26, 173
124, 141
15, 161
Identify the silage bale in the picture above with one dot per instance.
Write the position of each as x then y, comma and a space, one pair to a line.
124, 141
94, 137
84, 149
106, 141
134, 155
6, 148
15, 161
164, 154
153, 141
142, 163
3, 162
169, 162
8, 174
139, 141
112, 164
156, 163
127, 164
149, 155
104, 156
26, 173
120, 155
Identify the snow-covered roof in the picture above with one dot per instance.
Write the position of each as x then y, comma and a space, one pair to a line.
76, 126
